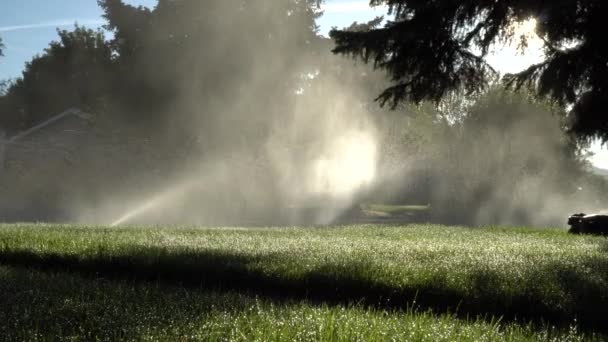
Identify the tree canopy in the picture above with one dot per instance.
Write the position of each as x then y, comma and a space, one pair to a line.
246, 100
432, 48
73, 71
188, 49
186, 84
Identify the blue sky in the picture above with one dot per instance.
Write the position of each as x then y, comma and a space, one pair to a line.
27, 26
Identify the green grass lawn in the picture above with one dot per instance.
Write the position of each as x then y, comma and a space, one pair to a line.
397, 209
366, 282
61, 306
404, 213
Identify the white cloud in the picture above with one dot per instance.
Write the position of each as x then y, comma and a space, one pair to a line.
55, 23
348, 7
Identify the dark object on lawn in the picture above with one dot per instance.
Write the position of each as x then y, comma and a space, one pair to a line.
588, 224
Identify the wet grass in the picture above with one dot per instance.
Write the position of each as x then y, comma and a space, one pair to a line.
37, 306
448, 280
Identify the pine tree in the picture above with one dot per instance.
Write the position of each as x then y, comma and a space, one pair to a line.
432, 48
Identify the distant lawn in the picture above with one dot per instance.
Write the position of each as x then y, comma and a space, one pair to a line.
355, 278
403, 210
396, 209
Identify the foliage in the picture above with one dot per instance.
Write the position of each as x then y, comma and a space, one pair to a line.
511, 154
501, 157
187, 47
178, 51
4, 87
180, 77
181, 84
432, 48
73, 72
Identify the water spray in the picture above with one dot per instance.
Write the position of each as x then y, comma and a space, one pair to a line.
156, 201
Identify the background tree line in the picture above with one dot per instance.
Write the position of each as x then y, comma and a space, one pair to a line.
181, 84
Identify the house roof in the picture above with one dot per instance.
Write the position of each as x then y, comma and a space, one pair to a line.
72, 112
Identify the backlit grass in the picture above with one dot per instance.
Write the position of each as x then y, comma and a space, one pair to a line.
518, 274
37, 306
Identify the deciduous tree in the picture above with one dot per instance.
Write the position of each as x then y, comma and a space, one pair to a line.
72, 71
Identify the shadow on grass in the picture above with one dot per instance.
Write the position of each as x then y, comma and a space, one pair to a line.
57, 306
587, 297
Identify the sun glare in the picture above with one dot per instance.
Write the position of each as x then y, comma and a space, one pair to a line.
599, 158
510, 58
526, 28
348, 164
